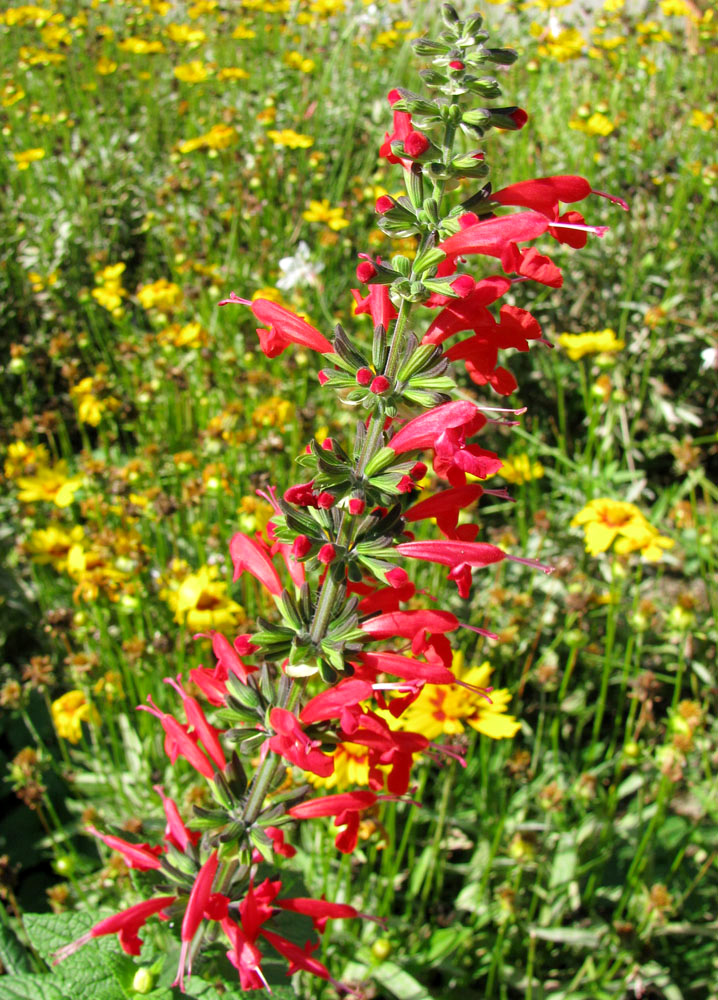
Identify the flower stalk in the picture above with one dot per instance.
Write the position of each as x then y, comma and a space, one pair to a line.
341, 662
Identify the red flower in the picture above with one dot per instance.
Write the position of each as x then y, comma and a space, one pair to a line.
461, 557
345, 806
251, 556
176, 832
202, 903
285, 327
179, 742
291, 742
197, 721
140, 856
126, 924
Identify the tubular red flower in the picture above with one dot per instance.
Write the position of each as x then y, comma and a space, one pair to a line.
248, 555
197, 720
176, 832
202, 903
422, 431
140, 856
496, 237
178, 742
286, 328
126, 924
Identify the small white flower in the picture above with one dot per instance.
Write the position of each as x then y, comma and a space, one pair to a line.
299, 269
709, 358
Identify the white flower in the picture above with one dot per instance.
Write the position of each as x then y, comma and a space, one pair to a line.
709, 358
299, 269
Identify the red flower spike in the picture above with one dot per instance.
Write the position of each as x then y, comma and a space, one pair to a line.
249, 556
126, 924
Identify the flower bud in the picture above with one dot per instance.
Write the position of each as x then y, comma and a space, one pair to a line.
327, 554
325, 500
364, 376
300, 546
322, 378
356, 505
380, 385
457, 64
143, 982
384, 204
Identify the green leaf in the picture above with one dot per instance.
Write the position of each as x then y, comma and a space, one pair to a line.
28, 987
578, 937
399, 983
13, 955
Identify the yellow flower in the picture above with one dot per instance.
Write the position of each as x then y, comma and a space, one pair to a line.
296, 60
161, 294
288, 137
704, 120
191, 335
595, 124
567, 44
202, 602
105, 66
29, 14
233, 73
520, 469
52, 545
319, 211
68, 714
192, 72
52, 485
606, 521
240, 33
89, 407
351, 768
24, 159
218, 137
24, 460
141, 46
10, 95
185, 34
443, 709
577, 345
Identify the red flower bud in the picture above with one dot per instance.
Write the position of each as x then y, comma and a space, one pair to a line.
397, 577
384, 204
323, 378
364, 376
327, 554
300, 546
405, 484
456, 64
356, 505
380, 385
418, 471
415, 144
325, 500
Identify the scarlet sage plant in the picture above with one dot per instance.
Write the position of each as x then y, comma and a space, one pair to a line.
342, 657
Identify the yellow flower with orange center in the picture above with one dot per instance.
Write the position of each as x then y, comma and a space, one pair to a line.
445, 709
53, 485
52, 545
202, 602
606, 521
